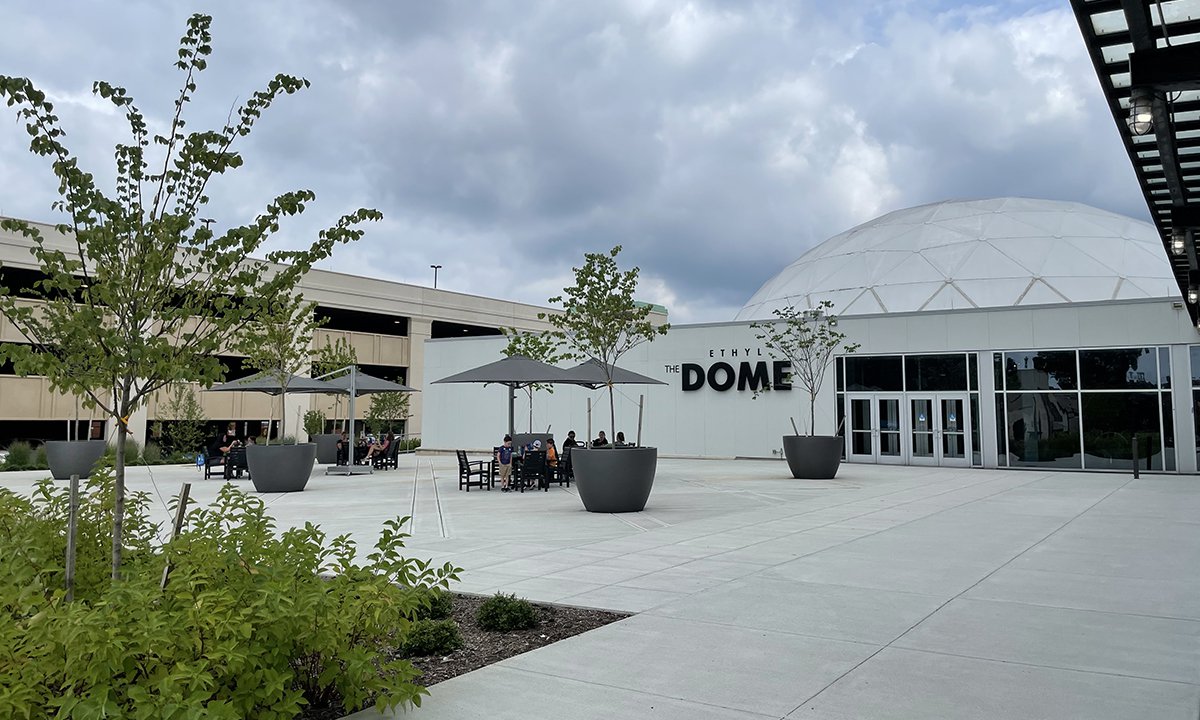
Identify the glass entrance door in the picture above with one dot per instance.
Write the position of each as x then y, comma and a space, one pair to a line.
875, 429
940, 430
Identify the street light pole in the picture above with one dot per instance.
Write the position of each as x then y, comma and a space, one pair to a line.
435, 269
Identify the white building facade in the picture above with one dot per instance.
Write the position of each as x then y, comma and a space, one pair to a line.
994, 333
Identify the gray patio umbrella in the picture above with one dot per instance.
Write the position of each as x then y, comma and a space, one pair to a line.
590, 373
267, 383
365, 384
515, 372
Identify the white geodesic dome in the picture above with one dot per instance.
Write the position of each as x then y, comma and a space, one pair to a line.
1001, 252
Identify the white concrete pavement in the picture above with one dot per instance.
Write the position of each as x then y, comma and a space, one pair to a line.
891, 592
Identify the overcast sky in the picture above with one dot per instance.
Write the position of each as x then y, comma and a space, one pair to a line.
715, 140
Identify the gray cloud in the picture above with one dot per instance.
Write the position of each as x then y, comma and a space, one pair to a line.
715, 140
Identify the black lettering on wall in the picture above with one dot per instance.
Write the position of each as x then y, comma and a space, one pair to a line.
726, 382
782, 375
755, 379
693, 377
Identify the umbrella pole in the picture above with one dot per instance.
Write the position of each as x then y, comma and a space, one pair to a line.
589, 434
350, 421
512, 401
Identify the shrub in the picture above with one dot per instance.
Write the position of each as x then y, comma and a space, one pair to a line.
152, 455
436, 604
246, 627
133, 453
314, 422
506, 612
20, 456
39, 458
431, 637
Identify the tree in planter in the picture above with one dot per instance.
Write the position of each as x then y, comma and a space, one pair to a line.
388, 411
535, 346
314, 422
807, 339
600, 319
144, 294
186, 432
277, 344
334, 356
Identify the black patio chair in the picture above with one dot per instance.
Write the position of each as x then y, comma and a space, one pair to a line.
387, 460
481, 470
560, 472
532, 472
235, 463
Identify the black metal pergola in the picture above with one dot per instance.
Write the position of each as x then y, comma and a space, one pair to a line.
1147, 56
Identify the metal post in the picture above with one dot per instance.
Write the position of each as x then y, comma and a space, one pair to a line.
512, 403
1135, 456
72, 531
641, 400
185, 491
587, 442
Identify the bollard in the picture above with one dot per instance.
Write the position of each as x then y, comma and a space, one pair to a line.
1135, 457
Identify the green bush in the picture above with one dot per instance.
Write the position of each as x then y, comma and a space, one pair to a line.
39, 458
252, 623
133, 453
506, 612
431, 637
152, 455
20, 456
314, 422
409, 445
436, 604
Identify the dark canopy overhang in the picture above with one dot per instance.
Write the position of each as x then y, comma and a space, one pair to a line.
1149, 51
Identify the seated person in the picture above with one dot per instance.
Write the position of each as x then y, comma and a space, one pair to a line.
600, 441
343, 444
620, 442
378, 448
570, 442
220, 447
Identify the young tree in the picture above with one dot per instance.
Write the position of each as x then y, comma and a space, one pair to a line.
808, 339
186, 433
277, 343
334, 356
145, 294
535, 346
387, 411
600, 319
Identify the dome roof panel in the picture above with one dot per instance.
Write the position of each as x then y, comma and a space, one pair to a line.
997, 252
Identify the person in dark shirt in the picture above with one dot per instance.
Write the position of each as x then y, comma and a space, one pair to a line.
570, 441
504, 461
600, 441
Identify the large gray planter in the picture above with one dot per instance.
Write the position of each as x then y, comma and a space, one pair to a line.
326, 448
813, 457
614, 480
280, 468
73, 457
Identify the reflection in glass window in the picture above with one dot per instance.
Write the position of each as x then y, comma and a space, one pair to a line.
1168, 433
973, 371
976, 445
998, 371
1130, 368
881, 373
1110, 422
1164, 367
929, 373
1040, 370
1194, 351
1043, 429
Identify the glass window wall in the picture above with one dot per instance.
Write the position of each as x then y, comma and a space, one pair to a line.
1111, 421
1043, 429
1127, 369
935, 373
883, 373
1040, 370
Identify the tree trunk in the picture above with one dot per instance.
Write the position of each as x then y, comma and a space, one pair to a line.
612, 414
119, 497
282, 416
812, 414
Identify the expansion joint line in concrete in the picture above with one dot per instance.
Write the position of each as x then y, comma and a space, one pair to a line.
437, 500
967, 589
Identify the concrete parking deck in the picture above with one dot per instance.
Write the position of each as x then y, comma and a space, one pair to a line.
891, 592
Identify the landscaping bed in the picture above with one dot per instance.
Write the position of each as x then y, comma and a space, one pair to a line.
484, 647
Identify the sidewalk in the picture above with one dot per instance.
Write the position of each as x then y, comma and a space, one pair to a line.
891, 592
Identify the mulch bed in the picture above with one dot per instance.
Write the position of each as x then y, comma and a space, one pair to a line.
484, 647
